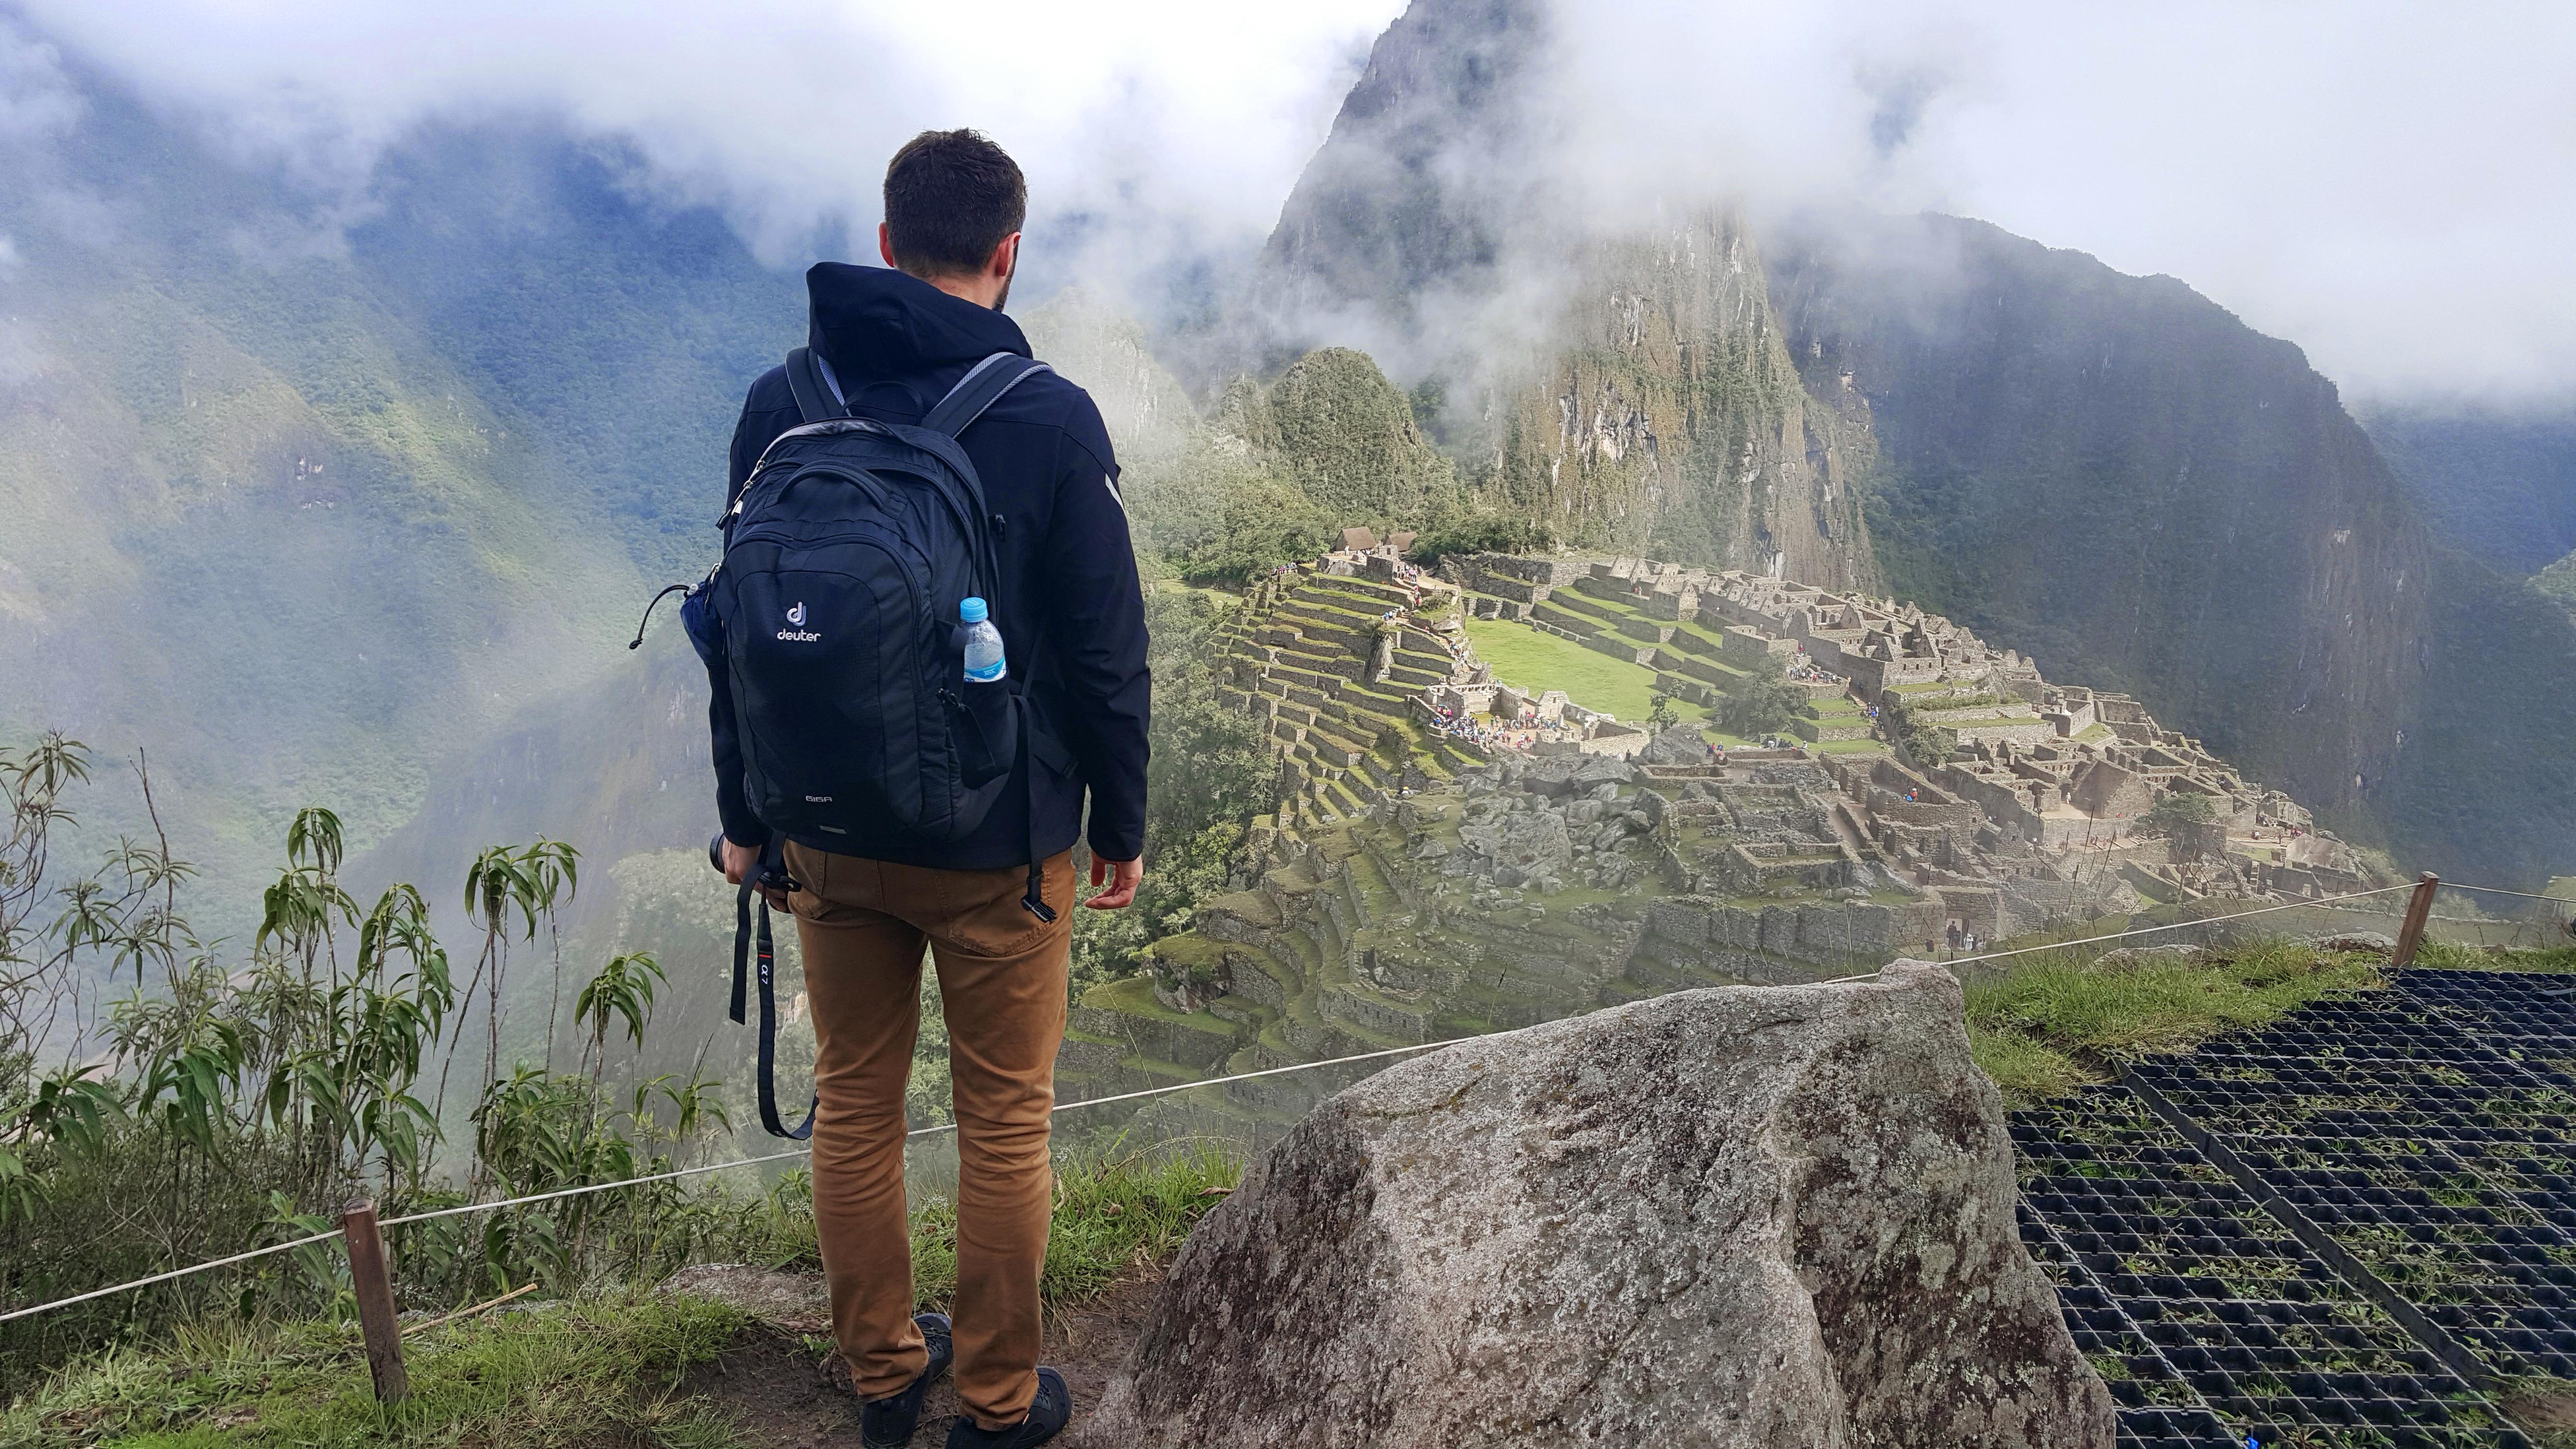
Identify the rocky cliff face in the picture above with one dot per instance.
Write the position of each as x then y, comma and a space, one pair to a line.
2132, 485
1668, 417
1631, 390
1386, 219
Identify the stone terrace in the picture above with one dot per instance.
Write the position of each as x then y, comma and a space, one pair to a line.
1418, 883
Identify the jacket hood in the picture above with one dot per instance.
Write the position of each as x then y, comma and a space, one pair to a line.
875, 324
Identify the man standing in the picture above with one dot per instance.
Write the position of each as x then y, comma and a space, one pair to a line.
890, 344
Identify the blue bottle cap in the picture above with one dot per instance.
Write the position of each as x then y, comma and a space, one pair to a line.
971, 610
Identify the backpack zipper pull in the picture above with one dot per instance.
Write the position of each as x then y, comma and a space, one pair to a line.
638, 641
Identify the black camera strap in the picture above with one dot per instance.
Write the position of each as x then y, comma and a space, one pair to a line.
745, 938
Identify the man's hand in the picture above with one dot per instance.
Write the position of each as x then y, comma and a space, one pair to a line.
1122, 885
741, 863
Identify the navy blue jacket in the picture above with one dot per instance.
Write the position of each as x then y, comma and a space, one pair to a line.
1075, 626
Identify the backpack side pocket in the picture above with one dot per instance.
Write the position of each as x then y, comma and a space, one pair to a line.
984, 726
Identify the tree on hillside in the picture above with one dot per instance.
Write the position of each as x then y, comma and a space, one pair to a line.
1930, 744
1480, 532
1220, 511
1759, 705
2180, 810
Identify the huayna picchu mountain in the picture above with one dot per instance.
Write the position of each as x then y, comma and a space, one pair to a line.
2113, 471
1640, 396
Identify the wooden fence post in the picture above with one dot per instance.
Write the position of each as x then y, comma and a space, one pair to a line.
375, 1302
2419, 906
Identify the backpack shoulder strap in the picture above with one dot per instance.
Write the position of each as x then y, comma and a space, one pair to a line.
980, 388
815, 399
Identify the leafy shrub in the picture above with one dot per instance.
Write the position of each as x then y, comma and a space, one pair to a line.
2180, 810
1469, 533
1759, 704
1930, 744
242, 1103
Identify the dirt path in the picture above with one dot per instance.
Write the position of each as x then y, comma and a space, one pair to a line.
782, 1386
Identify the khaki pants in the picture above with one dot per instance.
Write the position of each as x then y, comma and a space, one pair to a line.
1002, 985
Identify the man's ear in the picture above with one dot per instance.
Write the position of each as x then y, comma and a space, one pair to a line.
885, 243
1005, 259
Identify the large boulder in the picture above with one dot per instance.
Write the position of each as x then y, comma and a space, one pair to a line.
1597, 770
1774, 1216
1525, 847
1680, 745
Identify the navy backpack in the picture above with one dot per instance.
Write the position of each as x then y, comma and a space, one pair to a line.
833, 620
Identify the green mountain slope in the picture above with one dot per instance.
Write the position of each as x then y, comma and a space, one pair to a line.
2484, 790
2116, 476
2558, 583
2498, 483
299, 506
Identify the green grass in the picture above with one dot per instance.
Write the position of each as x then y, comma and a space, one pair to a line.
1525, 657
1115, 1210
2060, 1019
1626, 610
2539, 1403
1135, 996
598, 1372
593, 1373
2449, 956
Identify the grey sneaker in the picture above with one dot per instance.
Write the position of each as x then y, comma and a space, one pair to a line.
1047, 1415
888, 1423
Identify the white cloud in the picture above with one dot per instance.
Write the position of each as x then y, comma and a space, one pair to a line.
1169, 114
2386, 184
36, 99
2391, 186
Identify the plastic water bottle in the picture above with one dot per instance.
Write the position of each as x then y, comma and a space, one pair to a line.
984, 663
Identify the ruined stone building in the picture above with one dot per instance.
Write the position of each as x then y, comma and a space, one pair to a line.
1457, 852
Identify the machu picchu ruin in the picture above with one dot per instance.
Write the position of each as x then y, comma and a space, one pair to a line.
1494, 810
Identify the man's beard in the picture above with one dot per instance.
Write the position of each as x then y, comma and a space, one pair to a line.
1004, 300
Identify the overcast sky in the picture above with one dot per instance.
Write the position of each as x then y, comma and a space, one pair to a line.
2393, 187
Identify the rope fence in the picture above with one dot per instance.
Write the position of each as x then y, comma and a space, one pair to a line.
945, 1128
2174, 926
173, 1273
587, 1188
2524, 895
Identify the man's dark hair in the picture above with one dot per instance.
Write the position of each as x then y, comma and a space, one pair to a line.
950, 198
